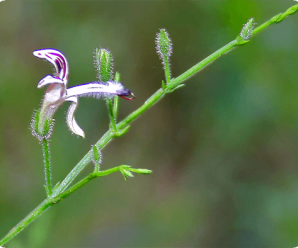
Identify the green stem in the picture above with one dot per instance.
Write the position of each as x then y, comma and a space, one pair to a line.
115, 107
111, 115
46, 204
58, 194
167, 70
116, 98
47, 166
85, 180
203, 64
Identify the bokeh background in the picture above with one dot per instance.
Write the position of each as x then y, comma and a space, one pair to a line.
223, 149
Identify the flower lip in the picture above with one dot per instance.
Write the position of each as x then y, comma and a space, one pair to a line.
49, 79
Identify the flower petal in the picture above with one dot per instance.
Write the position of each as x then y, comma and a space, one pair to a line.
57, 59
49, 79
70, 120
95, 89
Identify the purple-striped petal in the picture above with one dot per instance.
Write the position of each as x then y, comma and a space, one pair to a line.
57, 59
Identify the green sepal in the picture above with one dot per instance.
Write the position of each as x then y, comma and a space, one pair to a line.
47, 129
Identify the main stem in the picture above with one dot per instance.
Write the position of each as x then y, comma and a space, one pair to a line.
58, 194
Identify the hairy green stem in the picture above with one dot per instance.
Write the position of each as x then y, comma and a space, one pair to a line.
47, 166
58, 194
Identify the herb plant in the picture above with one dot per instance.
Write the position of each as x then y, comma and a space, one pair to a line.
109, 88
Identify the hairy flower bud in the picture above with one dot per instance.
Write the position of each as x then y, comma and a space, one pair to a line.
104, 65
164, 49
164, 45
96, 155
247, 29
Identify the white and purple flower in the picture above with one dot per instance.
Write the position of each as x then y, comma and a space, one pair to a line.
57, 91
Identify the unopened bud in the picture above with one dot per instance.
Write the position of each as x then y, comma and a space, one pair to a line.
164, 45
247, 29
104, 64
96, 158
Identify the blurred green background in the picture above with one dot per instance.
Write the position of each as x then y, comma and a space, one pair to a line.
223, 149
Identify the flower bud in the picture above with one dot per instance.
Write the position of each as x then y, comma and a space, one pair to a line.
164, 45
247, 29
96, 158
104, 65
